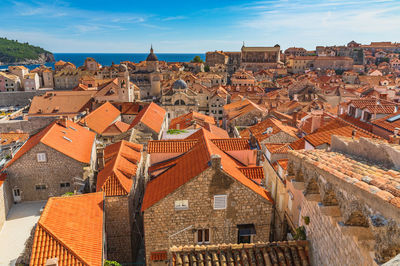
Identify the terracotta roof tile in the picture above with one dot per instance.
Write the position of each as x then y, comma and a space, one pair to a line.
101, 118
255, 173
8, 138
70, 229
267, 128
73, 140
116, 128
122, 159
187, 120
276, 253
232, 144
190, 165
170, 146
152, 116
381, 182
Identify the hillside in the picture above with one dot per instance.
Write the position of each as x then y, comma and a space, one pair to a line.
14, 52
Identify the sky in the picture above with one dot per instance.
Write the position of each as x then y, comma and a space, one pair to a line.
119, 26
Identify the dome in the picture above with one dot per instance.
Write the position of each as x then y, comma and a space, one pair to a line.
179, 85
151, 56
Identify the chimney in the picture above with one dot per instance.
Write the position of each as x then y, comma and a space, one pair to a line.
216, 161
294, 118
354, 133
259, 154
253, 141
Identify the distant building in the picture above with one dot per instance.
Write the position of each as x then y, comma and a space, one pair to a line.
9, 82
31, 82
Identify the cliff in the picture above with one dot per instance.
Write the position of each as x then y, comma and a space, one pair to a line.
14, 52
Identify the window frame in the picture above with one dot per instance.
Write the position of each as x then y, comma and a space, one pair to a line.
225, 197
202, 235
39, 159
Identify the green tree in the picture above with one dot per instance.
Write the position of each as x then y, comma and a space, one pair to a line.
197, 59
111, 263
206, 68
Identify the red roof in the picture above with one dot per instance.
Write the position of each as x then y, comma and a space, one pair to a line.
122, 159
187, 120
170, 146
101, 118
73, 140
152, 116
190, 165
70, 229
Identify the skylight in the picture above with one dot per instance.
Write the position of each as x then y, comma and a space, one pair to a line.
67, 138
393, 118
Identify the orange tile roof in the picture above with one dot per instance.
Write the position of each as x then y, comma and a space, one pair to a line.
74, 141
152, 116
241, 107
119, 125
190, 165
277, 147
267, 128
170, 146
255, 173
373, 179
298, 144
122, 159
217, 130
336, 127
101, 118
283, 163
8, 138
232, 144
61, 102
70, 229
389, 126
187, 120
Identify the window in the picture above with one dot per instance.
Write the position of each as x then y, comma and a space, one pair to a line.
40, 187
17, 192
181, 205
203, 236
41, 157
246, 233
220, 202
66, 184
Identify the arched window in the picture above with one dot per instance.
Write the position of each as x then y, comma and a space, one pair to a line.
179, 102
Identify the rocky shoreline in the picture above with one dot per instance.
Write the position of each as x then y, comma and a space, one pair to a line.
43, 58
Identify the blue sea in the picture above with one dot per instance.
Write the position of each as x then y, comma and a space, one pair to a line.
107, 59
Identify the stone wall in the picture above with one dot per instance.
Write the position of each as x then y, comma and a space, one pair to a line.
329, 246
26, 172
162, 222
118, 229
30, 126
20, 98
5, 201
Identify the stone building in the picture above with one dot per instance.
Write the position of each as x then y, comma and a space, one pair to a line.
46, 78
258, 58
9, 82
58, 159
149, 124
241, 114
6, 198
213, 201
300, 64
147, 76
350, 210
121, 181
179, 99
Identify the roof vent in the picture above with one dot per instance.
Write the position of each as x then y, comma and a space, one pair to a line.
67, 138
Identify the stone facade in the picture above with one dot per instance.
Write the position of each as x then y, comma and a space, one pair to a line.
26, 173
165, 227
348, 225
6, 201
118, 224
